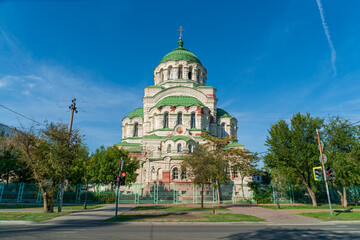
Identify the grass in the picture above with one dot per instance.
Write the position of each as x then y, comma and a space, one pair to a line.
177, 208
66, 207
337, 215
185, 217
29, 216
325, 206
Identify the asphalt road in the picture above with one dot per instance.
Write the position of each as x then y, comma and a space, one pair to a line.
168, 231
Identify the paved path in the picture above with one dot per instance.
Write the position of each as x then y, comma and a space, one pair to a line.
274, 216
89, 216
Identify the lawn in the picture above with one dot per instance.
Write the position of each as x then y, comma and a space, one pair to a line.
186, 217
337, 215
178, 208
29, 216
27, 206
324, 206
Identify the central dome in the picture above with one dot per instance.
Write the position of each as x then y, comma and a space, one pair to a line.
180, 53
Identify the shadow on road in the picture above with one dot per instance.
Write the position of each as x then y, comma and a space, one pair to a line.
289, 234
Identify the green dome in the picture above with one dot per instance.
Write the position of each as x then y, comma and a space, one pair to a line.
180, 53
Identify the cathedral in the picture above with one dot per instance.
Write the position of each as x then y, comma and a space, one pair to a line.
176, 110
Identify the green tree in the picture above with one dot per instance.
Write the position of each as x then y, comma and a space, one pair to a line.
342, 148
245, 162
293, 150
8, 160
104, 165
48, 155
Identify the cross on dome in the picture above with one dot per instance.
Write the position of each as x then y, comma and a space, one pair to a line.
181, 30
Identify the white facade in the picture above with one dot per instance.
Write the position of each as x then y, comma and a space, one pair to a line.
176, 110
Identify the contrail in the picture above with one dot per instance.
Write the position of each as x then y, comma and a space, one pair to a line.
326, 29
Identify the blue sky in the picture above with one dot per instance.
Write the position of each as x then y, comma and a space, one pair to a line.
268, 59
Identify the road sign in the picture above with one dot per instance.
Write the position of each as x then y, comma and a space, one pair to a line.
324, 158
322, 145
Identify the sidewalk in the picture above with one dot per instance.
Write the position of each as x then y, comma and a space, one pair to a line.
274, 216
89, 217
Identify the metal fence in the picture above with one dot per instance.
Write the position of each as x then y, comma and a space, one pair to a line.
155, 193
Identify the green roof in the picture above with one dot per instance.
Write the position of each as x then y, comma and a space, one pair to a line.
175, 138
155, 86
222, 113
128, 144
135, 149
153, 136
139, 112
234, 144
179, 101
180, 53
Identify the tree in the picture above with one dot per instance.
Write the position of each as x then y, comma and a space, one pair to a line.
244, 162
48, 155
8, 160
342, 148
293, 150
200, 167
105, 165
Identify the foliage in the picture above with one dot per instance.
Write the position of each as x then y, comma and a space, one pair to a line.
10, 166
49, 155
106, 197
342, 148
261, 194
104, 165
80, 167
293, 150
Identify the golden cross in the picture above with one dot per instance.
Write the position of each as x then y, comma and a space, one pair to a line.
181, 30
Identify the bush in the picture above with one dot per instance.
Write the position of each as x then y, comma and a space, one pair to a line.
261, 193
106, 197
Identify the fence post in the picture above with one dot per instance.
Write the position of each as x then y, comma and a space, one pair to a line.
2, 186
21, 191
78, 192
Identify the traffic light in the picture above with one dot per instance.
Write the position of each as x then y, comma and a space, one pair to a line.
317, 173
330, 175
122, 178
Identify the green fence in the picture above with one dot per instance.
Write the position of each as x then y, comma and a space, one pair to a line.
157, 193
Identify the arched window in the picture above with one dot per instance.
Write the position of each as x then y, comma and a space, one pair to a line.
136, 130
183, 174
192, 121
166, 120
159, 174
175, 173
169, 148
170, 73
190, 148
161, 75
179, 118
190, 73
198, 76
179, 147
223, 132
180, 72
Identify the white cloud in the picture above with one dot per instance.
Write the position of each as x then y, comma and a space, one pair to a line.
327, 33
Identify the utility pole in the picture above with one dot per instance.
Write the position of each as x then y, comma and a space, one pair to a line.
73, 109
323, 168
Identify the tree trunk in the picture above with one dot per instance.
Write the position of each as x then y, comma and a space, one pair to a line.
218, 192
202, 195
242, 187
85, 201
311, 193
48, 203
344, 193
340, 194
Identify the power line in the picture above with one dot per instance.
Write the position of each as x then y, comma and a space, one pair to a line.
21, 115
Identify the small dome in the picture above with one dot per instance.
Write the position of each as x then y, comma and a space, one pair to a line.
180, 53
